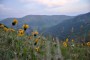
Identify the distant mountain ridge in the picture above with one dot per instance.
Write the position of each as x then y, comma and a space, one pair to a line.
38, 21
79, 24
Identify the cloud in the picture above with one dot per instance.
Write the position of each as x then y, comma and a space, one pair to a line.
50, 3
20, 8
70, 9
3, 7
6, 11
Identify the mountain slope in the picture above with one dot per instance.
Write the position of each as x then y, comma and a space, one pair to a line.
78, 25
39, 21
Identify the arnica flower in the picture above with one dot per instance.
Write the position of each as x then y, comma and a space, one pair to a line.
5, 29
15, 21
82, 44
37, 49
72, 40
88, 44
1, 26
35, 33
20, 32
36, 41
67, 40
64, 44
25, 26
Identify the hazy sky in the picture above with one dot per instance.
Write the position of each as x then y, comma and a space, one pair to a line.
20, 8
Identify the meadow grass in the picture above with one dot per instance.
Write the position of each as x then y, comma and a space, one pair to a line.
13, 47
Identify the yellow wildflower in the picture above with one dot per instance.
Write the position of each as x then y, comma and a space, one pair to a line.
35, 33
64, 44
15, 21
1, 25
20, 32
25, 26
88, 44
37, 49
67, 40
82, 44
5, 29
72, 40
36, 41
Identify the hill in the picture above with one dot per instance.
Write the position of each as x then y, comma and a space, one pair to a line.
77, 26
38, 21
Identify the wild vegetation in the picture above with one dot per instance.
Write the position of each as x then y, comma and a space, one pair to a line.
17, 45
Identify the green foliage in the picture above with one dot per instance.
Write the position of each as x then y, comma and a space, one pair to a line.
13, 47
76, 53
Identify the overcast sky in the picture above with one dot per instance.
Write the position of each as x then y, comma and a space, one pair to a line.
20, 8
